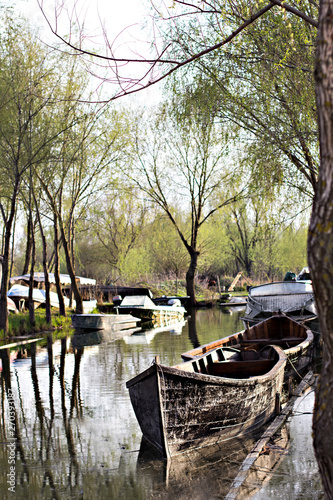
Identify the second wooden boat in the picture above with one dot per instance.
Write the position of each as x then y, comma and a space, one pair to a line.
294, 338
208, 400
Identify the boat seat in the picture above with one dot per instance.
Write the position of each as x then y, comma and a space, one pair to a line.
241, 369
250, 355
291, 340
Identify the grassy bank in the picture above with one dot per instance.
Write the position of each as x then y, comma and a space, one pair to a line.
20, 325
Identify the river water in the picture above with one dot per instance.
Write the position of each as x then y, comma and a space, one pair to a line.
68, 410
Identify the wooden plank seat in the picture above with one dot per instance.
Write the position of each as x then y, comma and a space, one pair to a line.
279, 342
240, 369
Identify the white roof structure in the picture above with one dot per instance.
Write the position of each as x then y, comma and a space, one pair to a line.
64, 279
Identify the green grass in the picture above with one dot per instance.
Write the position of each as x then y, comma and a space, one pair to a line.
19, 324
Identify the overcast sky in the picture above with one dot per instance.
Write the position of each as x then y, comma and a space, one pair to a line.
123, 22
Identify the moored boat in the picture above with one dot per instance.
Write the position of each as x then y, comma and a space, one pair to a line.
208, 400
294, 338
20, 296
294, 298
112, 322
144, 308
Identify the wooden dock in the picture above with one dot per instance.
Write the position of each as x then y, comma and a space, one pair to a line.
270, 431
21, 342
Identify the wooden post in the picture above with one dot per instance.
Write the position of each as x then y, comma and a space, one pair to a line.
277, 404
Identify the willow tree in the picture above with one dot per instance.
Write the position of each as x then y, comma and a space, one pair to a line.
115, 222
78, 169
263, 81
27, 82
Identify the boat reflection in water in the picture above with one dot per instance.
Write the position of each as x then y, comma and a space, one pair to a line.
210, 471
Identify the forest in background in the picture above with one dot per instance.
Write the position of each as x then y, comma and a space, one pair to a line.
265, 68
131, 195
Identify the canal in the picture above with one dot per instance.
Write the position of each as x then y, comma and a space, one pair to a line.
67, 409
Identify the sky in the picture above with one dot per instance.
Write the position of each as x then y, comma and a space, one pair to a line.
122, 21
117, 15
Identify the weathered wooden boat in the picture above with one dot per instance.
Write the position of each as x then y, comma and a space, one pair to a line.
208, 400
295, 339
144, 308
111, 322
294, 298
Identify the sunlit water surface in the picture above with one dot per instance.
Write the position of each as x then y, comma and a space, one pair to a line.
76, 432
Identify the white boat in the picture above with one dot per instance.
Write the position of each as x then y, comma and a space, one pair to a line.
11, 306
294, 298
141, 306
20, 293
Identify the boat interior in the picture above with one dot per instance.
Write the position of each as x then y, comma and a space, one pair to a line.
277, 330
233, 362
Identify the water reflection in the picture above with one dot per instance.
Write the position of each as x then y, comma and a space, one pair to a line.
75, 431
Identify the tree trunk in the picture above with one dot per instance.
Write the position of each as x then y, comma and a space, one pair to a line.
46, 272
31, 280
320, 246
5, 262
190, 275
62, 309
71, 272
28, 246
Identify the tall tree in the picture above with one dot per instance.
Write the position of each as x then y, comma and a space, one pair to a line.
82, 155
183, 157
27, 80
115, 224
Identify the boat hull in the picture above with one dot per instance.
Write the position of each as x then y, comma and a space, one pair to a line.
158, 315
113, 322
179, 410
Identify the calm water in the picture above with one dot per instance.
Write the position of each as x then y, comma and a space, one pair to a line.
68, 410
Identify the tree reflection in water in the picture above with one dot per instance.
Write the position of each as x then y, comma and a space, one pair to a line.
76, 433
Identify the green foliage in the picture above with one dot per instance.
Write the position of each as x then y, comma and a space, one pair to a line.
262, 81
19, 324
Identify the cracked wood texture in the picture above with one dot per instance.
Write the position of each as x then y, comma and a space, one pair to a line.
320, 245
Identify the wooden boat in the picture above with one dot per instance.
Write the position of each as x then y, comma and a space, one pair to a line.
112, 322
294, 298
144, 308
295, 339
208, 400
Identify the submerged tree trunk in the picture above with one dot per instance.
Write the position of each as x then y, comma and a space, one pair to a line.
190, 276
320, 246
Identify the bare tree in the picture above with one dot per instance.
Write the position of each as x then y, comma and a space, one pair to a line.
186, 158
